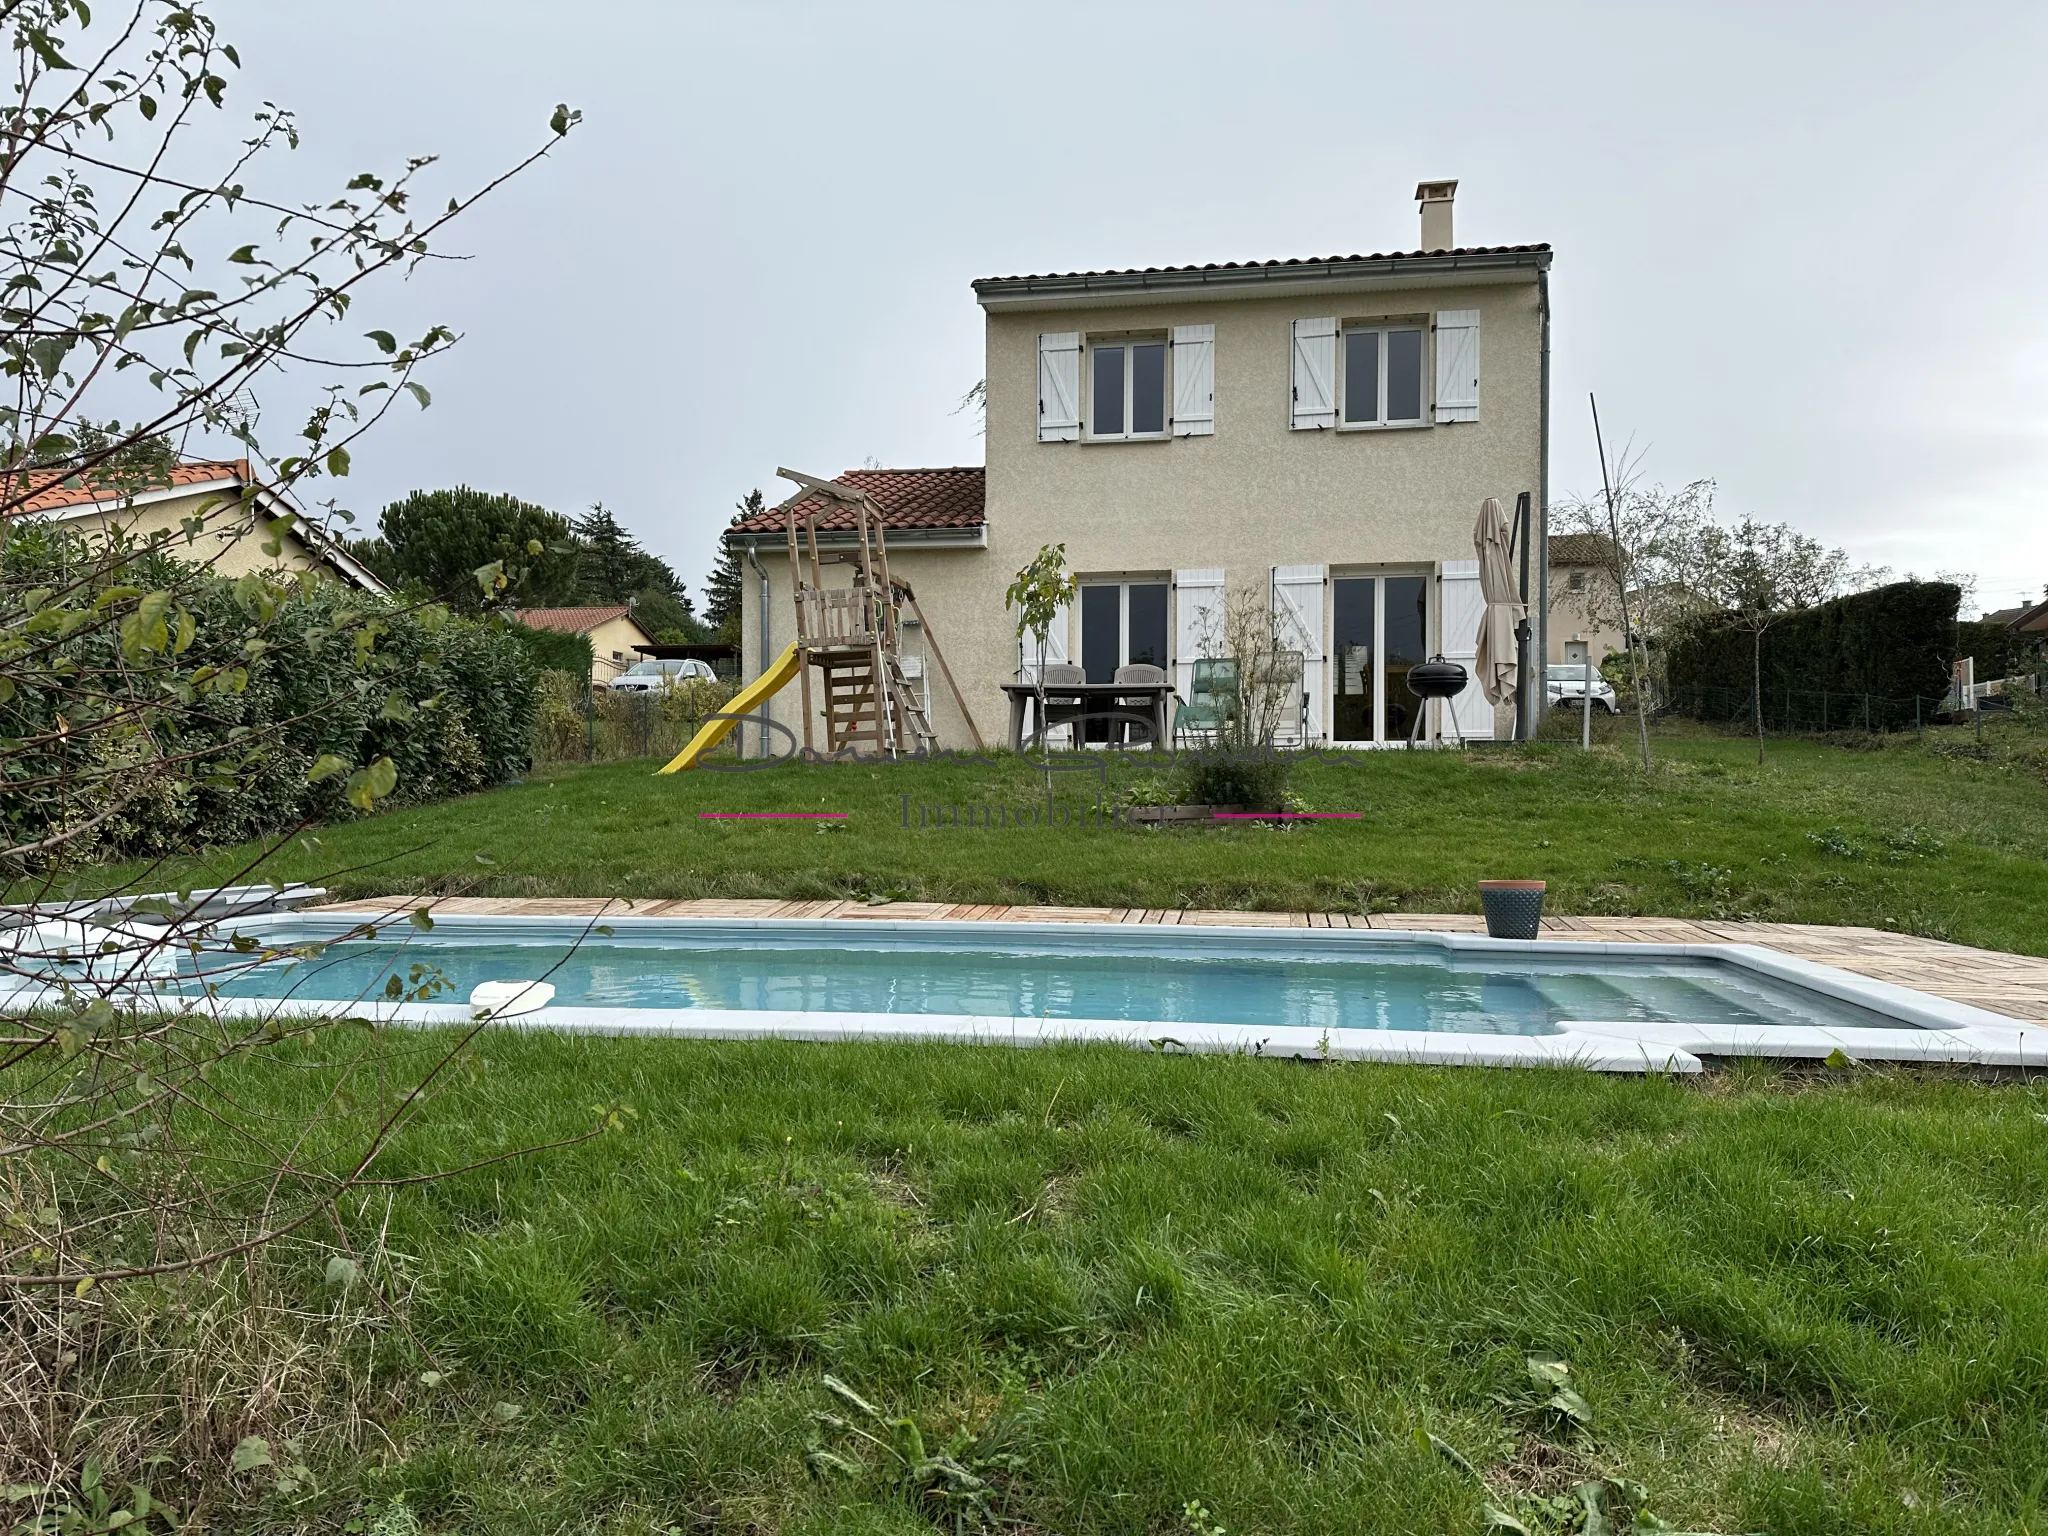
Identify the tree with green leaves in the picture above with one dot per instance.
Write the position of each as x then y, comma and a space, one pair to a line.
1041, 592
723, 589
445, 543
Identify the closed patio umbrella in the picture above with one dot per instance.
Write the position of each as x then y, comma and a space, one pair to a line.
1498, 662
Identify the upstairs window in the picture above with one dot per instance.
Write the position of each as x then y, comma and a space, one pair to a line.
1127, 388
1381, 384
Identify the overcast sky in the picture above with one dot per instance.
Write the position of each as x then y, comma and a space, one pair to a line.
1798, 246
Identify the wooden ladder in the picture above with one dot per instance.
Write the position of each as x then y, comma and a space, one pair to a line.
910, 710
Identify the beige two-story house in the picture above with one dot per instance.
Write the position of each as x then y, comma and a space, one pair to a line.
1315, 436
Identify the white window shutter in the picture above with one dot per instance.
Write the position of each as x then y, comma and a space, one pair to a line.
1315, 375
1197, 623
1298, 624
1055, 647
1457, 365
1059, 387
1194, 380
1461, 609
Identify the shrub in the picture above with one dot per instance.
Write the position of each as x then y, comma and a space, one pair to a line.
558, 723
276, 674
552, 651
1255, 780
1998, 651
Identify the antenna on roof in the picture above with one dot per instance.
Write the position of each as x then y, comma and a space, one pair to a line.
240, 412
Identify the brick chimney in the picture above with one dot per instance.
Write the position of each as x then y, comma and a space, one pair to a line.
1435, 198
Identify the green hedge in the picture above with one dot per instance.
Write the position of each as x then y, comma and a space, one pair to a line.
551, 650
328, 670
1890, 646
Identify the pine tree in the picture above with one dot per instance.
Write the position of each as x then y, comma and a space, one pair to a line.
436, 541
613, 568
722, 590
610, 565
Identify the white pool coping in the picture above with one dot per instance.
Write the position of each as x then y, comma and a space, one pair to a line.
1934, 1029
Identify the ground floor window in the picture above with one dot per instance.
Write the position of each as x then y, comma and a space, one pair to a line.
1123, 624
1379, 628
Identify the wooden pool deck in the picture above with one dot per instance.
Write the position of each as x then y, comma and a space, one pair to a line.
2014, 985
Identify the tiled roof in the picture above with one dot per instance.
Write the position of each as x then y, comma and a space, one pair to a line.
907, 498
1579, 548
571, 621
2030, 619
54, 489
1273, 266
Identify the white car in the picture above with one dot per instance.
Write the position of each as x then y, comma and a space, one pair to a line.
1566, 684
656, 673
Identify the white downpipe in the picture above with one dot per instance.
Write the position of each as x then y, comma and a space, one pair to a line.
755, 561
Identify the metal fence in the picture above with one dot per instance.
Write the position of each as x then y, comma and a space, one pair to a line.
1822, 711
582, 724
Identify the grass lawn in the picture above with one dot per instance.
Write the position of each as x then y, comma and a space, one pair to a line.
1114, 1285
1924, 837
1802, 1306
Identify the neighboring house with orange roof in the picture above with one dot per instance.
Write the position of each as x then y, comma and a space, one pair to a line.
610, 628
234, 509
1313, 437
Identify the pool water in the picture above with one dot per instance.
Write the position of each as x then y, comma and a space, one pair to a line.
1387, 990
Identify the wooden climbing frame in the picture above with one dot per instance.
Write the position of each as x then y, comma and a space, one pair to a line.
853, 635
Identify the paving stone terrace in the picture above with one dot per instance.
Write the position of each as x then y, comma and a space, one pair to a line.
2014, 985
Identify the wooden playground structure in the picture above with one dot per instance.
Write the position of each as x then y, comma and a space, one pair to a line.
853, 636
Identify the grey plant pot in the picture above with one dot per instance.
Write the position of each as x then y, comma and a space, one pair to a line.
1514, 908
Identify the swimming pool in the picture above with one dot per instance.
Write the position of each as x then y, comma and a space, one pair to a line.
1360, 994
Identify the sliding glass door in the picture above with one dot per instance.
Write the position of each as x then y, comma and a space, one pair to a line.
1379, 629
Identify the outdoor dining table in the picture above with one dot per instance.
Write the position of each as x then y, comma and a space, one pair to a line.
1067, 703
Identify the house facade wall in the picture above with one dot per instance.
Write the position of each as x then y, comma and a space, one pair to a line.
1573, 619
1257, 493
611, 647
1254, 494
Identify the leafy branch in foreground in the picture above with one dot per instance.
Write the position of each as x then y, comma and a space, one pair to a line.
165, 1245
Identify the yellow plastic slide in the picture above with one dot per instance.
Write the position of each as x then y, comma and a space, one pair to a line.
741, 703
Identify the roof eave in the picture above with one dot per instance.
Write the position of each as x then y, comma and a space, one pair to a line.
317, 538
843, 538
1361, 274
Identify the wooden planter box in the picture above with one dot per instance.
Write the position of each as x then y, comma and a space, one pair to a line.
1145, 815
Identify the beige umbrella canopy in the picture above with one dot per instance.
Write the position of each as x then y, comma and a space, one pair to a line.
1500, 671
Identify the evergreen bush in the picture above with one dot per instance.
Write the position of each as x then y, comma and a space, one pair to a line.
1891, 645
